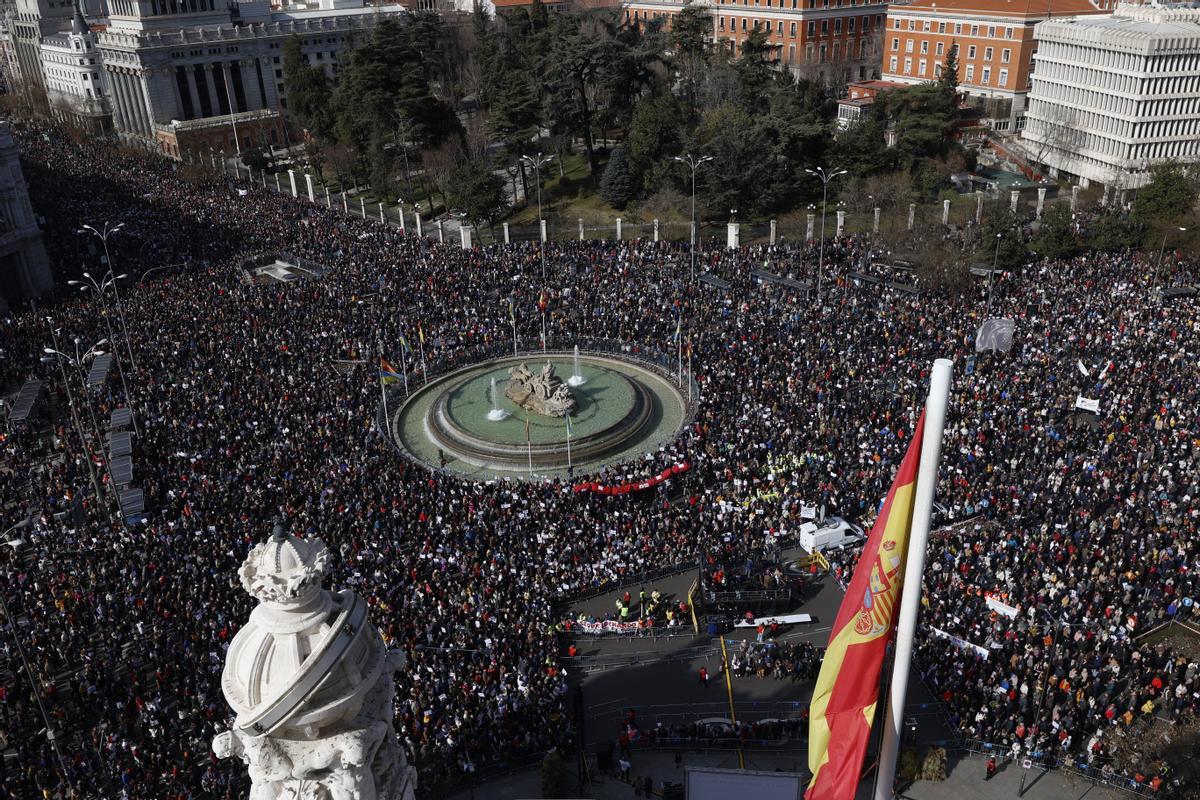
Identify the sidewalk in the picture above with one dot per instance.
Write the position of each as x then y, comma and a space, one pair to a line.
964, 782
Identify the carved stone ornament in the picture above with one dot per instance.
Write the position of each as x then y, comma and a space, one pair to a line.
542, 393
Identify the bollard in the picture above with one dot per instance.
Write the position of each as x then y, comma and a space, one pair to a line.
464, 233
733, 236
581, 229
308, 183
772, 233
655, 230
945, 212
328, 199
292, 177
362, 206
841, 221
810, 227
542, 229
400, 209
441, 232
345, 204
382, 221
278, 188
618, 229
505, 227
417, 217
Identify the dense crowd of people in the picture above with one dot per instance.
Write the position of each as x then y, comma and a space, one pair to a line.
1085, 523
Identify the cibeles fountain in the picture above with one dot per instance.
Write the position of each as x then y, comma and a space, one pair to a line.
513, 416
310, 681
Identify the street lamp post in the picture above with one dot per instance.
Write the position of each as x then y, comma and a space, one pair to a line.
992, 274
825, 177
100, 290
693, 162
1161, 250
75, 416
103, 235
537, 163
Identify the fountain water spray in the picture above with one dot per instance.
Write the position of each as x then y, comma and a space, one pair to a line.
577, 378
497, 413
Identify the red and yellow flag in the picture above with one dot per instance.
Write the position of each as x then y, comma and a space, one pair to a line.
847, 690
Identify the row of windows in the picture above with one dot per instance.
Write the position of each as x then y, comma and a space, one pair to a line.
958, 28
778, 26
985, 75
1127, 62
800, 3
940, 48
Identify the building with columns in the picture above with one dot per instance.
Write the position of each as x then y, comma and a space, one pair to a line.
829, 41
24, 268
995, 45
1113, 96
197, 74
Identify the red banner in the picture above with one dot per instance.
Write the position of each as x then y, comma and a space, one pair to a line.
639, 486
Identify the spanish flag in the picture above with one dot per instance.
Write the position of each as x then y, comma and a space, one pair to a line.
847, 690
387, 373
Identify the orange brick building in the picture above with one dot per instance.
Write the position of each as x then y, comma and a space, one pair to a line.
834, 41
995, 47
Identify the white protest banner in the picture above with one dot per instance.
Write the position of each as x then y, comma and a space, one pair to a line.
962, 644
1087, 404
1000, 607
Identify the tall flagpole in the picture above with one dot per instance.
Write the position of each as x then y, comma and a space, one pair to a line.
568, 419
512, 317
914, 569
528, 446
679, 349
382, 387
404, 364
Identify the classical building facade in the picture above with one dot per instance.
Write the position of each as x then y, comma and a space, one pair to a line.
24, 268
832, 41
199, 71
1112, 96
70, 63
995, 45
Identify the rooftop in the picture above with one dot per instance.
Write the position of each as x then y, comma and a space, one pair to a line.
1140, 22
1024, 9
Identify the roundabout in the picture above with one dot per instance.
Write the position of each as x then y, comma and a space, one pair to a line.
467, 421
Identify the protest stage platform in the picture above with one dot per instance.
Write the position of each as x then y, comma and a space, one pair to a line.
465, 423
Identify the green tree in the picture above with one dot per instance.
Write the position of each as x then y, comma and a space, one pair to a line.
1170, 194
949, 78
1001, 229
1055, 237
691, 30
617, 186
472, 188
754, 68
655, 135
750, 170
921, 118
307, 89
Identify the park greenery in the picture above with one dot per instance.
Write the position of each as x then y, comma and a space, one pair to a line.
453, 112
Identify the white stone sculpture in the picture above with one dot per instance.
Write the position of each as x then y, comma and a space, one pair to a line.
311, 683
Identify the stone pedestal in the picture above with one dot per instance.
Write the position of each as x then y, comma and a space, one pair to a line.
542, 229
1014, 197
841, 222
417, 222
464, 233
912, 215
875, 223
441, 232
1041, 201
308, 183
978, 208
655, 230
1074, 198
581, 229
618, 229
945, 212
362, 207
733, 235
773, 229
810, 227
382, 221
504, 227
292, 178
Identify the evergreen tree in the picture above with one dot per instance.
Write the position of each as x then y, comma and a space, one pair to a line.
307, 89
472, 188
617, 186
655, 135
949, 78
1170, 194
754, 68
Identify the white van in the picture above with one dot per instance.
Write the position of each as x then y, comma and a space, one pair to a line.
832, 534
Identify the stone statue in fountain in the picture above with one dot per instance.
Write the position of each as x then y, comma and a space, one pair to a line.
310, 680
543, 393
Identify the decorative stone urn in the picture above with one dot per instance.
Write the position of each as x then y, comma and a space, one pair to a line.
311, 684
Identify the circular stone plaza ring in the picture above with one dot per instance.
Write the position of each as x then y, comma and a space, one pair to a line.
537, 415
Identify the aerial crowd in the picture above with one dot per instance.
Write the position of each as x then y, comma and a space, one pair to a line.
259, 400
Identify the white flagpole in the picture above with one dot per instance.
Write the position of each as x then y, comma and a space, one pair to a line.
914, 569
382, 387
691, 377
679, 351
404, 368
568, 443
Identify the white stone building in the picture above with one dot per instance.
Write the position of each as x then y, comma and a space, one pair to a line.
1114, 95
24, 268
74, 81
183, 72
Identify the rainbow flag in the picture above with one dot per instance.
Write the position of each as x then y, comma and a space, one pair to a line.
388, 373
847, 690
